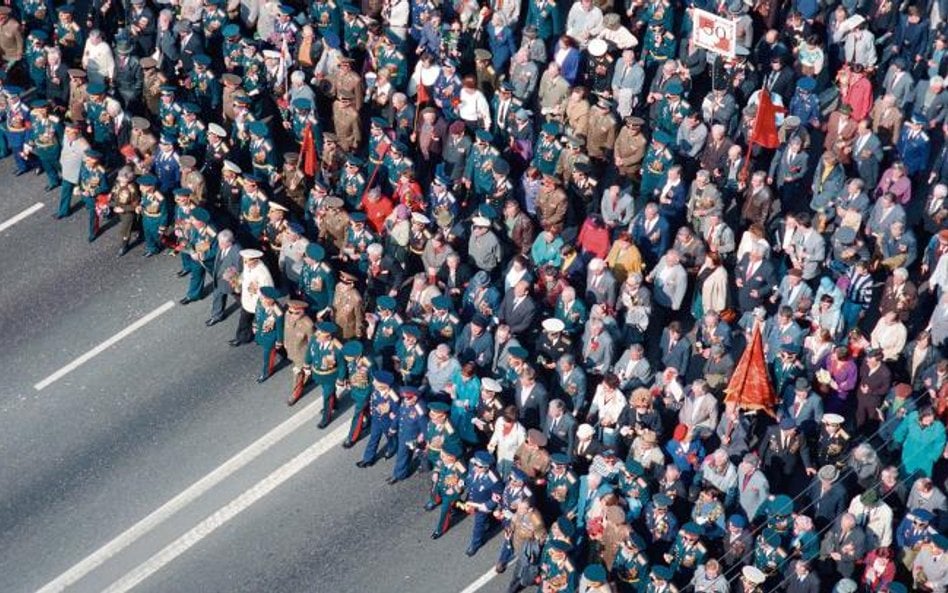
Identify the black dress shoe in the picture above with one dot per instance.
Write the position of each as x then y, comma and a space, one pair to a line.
58, 216
123, 250
392, 480
212, 321
261, 378
186, 301
182, 273
430, 506
500, 567
22, 172
364, 464
91, 238
347, 444
148, 254
235, 342
322, 424
436, 534
471, 551
389, 454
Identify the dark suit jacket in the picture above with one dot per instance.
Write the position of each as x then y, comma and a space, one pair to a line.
581, 462
462, 276
534, 409
221, 264
762, 281
651, 251
779, 461
58, 92
826, 507
521, 318
809, 584
191, 48
563, 438
678, 357
784, 84
878, 383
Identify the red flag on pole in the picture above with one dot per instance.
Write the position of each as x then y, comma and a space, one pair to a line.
381, 150
750, 386
765, 124
764, 132
308, 152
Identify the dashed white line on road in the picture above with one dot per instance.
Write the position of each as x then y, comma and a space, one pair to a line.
229, 511
32, 209
103, 347
163, 513
481, 581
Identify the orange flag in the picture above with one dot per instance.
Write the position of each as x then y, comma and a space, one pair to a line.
308, 153
750, 386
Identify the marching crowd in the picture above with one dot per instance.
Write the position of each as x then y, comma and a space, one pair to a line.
532, 244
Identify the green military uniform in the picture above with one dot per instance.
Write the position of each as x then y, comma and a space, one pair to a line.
268, 329
630, 567
92, 183
659, 47
557, 572
325, 364
547, 152
192, 135
43, 141
350, 188
769, 557
358, 386
687, 553
670, 115
410, 367
447, 486
443, 325
562, 487
438, 434
386, 330
317, 282
658, 159
479, 168
154, 213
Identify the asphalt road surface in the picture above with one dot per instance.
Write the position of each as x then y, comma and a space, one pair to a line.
138, 454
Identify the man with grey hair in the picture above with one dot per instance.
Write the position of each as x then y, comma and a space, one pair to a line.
627, 82
669, 282
97, 59
441, 368
633, 369
224, 271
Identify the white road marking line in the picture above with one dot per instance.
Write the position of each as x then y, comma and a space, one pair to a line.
229, 511
163, 513
102, 347
481, 581
7, 224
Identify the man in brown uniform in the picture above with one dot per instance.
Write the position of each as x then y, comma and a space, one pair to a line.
297, 330
527, 526
151, 87
77, 94
231, 88
348, 308
192, 179
348, 81
551, 203
294, 184
144, 144
615, 531
11, 39
334, 222
532, 458
601, 136
630, 148
345, 119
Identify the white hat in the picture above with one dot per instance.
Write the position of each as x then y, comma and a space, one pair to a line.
420, 218
598, 47
832, 419
753, 575
553, 325
251, 254
232, 166
217, 130
278, 207
480, 221
585, 431
271, 54
491, 384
